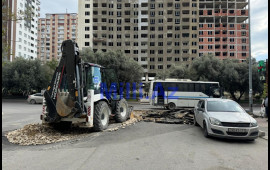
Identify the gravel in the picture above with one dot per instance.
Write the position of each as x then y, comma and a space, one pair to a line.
38, 134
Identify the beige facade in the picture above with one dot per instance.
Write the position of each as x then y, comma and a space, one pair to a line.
156, 33
52, 31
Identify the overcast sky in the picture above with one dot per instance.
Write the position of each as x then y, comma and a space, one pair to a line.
259, 21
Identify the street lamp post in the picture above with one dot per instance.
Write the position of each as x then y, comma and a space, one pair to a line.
250, 64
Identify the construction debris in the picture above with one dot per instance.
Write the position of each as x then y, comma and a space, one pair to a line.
180, 116
37, 134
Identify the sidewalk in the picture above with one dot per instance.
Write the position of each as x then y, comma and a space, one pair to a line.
263, 126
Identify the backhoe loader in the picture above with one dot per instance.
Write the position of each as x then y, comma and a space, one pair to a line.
78, 93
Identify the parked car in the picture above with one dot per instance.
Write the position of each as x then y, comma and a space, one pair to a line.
35, 98
225, 118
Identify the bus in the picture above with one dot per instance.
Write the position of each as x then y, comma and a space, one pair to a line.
173, 93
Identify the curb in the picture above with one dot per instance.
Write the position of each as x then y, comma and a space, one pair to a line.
262, 135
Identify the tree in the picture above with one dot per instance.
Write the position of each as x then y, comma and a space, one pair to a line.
162, 75
22, 76
178, 72
206, 67
127, 69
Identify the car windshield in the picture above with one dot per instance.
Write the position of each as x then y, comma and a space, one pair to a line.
223, 106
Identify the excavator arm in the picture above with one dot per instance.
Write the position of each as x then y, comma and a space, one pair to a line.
64, 94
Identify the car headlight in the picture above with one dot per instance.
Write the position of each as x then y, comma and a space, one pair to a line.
253, 124
214, 121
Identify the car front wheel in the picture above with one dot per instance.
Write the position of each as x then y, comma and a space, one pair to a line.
205, 130
32, 101
195, 122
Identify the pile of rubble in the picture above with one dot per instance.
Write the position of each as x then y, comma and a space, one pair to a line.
37, 134
181, 116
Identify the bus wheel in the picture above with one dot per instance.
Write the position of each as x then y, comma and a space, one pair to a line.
171, 106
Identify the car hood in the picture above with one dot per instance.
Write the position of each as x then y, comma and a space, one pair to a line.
234, 117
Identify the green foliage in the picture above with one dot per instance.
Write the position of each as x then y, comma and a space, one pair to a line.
206, 68
23, 76
162, 75
177, 72
232, 74
126, 68
265, 90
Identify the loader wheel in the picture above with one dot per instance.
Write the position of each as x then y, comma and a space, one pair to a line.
121, 111
101, 116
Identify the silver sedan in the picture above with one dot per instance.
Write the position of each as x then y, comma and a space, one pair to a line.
35, 98
225, 118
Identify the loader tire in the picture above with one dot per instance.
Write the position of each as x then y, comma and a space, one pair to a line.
101, 116
121, 111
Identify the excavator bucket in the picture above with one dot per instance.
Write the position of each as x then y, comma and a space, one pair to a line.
64, 104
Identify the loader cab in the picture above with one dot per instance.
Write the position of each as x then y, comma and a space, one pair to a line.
95, 76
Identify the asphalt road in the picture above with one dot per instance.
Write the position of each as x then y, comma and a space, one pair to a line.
140, 146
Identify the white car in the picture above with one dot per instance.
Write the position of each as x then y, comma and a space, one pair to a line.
35, 98
225, 118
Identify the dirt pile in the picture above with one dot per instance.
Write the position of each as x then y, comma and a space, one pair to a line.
37, 134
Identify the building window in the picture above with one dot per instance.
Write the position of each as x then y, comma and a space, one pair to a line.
86, 44
87, 5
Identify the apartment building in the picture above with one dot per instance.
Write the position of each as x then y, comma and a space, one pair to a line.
52, 31
224, 28
21, 33
162, 33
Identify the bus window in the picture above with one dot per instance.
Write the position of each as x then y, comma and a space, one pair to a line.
185, 86
191, 87
197, 88
202, 88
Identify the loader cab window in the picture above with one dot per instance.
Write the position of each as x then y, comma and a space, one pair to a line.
92, 79
88, 79
109, 77
96, 79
